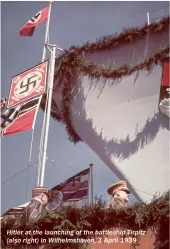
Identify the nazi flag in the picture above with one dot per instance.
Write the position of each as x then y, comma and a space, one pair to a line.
29, 27
19, 118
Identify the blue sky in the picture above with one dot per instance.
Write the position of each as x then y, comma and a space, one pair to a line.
72, 23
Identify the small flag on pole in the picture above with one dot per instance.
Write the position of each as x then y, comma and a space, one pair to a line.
29, 27
73, 191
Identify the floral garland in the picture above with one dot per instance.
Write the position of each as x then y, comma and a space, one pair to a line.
139, 216
72, 59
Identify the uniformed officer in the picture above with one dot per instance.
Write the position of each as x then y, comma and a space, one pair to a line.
120, 194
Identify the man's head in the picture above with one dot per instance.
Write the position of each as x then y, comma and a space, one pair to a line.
119, 190
40, 194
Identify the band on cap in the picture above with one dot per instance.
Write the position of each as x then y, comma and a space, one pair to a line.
118, 186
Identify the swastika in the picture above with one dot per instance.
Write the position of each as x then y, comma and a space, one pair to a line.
28, 84
8, 116
35, 18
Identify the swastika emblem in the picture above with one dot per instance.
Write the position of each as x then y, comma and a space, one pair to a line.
28, 84
35, 18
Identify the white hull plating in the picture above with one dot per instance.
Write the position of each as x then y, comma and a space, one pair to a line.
123, 125
121, 122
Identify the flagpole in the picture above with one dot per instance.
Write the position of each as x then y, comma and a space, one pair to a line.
44, 121
46, 128
47, 31
90, 185
148, 18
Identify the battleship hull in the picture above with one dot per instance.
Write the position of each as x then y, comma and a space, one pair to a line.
121, 120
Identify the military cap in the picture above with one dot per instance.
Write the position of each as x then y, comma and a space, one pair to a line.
121, 185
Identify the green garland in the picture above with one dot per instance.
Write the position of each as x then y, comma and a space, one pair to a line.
96, 71
70, 62
72, 59
128, 35
139, 216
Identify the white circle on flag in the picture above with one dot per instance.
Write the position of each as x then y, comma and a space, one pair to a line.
28, 84
35, 18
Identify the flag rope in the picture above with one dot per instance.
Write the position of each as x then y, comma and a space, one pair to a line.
27, 183
41, 141
18, 173
159, 8
32, 138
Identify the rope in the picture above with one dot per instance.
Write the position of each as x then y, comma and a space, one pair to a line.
27, 184
144, 192
30, 155
32, 138
42, 139
145, 177
24, 170
19, 173
136, 189
158, 8
157, 18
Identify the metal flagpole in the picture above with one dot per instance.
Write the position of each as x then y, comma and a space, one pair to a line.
48, 99
45, 112
148, 19
46, 128
47, 31
90, 185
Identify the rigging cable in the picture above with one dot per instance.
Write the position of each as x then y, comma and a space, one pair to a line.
143, 192
27, 182
19, 173
30, 155
145, 177
157, 18
158, 8
42, 139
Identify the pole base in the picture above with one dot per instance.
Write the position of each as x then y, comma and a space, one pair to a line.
36, 191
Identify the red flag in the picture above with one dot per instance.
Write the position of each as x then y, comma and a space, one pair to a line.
28, 84
165, 82
73, 190
165, 73
29, 27
19, 118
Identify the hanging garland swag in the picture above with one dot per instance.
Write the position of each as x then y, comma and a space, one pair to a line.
72, 58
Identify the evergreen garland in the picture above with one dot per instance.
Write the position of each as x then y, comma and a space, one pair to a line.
96, 71
139, 216
128, 35
72, 59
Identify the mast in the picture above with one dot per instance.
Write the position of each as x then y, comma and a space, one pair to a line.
46, 39
52, 49
148, 19
90, 185
45, 127
47, 31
